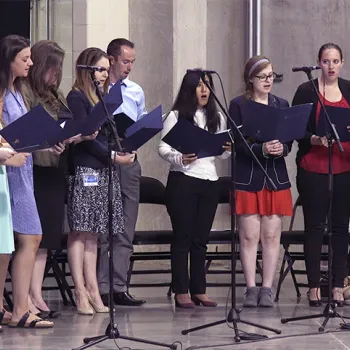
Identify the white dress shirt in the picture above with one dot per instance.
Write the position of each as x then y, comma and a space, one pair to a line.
203, 168
133, 100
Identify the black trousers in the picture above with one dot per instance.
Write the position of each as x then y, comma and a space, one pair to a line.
313, 191
191, 204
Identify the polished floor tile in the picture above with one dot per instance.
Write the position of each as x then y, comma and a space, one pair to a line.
158, 320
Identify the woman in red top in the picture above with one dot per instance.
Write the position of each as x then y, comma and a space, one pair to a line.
312, 176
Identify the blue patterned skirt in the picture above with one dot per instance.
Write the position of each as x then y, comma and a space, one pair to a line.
87, 206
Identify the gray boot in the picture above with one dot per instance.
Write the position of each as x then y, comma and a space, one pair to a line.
251, 297
265, 297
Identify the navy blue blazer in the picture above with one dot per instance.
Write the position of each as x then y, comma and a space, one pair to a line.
249, 176
92, 153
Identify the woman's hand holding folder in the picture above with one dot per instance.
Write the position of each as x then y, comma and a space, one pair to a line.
17, 160
274, 148
319, 141
188, 158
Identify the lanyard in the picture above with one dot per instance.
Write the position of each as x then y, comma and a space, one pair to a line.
14, 95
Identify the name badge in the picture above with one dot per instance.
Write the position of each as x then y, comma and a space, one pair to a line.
90, 179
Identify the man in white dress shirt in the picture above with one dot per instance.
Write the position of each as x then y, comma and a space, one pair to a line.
122, 58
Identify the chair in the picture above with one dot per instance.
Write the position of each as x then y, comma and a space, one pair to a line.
288, 238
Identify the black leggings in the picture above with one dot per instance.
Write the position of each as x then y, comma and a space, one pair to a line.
313, 191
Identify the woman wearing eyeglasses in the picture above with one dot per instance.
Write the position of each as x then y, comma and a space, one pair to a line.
258, 207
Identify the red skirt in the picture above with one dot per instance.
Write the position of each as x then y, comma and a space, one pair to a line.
264, 202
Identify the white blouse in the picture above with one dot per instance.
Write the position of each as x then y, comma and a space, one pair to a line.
203, 168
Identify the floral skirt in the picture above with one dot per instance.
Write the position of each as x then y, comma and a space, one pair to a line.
87, 206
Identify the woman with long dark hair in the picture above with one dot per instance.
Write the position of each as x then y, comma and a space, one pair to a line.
15, 62
88, 205
312, 176
259, 208
192, 192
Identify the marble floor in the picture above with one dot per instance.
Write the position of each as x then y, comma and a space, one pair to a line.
159, 321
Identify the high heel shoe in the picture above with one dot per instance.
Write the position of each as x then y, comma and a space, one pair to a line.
98, 309
83, 311
205, 303
189, 305
337, 294
314, 303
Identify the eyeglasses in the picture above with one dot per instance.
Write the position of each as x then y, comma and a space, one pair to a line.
264, 77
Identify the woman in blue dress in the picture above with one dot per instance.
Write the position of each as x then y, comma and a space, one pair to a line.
15, 63
6, 237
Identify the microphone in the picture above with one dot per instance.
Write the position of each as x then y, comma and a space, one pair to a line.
305, 69
205, 71
90, 68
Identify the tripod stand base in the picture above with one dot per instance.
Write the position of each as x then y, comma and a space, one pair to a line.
113, 333
234, 318
328, 313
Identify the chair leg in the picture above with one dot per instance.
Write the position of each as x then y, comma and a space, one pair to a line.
294, 280
130, 270
61, 281
51, 265
279, 285
8, 299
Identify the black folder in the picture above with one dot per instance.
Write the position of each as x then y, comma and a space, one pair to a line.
340, 117
33, 131
266, 123
143, 130
188, 138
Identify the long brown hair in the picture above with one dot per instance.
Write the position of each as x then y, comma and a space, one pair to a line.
46, 55
10, 46
89, 57
249, 73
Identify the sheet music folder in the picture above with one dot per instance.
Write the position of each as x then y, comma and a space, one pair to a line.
143, 130
33, 131
188, 138
340, 117
38, 130
266, 123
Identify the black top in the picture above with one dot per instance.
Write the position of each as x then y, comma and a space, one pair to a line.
92, 153
306, 94
249, 177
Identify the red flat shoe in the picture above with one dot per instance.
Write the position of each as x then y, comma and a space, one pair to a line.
189, 305
205, 303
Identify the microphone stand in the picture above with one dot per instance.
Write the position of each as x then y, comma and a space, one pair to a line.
234, 313
330, 309
112, 331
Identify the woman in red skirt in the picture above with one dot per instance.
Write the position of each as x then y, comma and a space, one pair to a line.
259, 208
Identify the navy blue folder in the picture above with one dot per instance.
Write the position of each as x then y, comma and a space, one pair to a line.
266, 123
98, 116
188, 138
122, 122
340, 117
143, 130
33, 131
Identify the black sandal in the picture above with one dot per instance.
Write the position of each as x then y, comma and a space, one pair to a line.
3, 319
22, 323
48, 314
